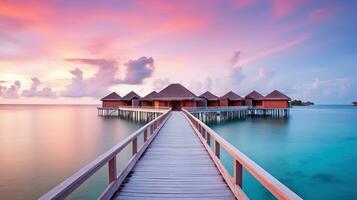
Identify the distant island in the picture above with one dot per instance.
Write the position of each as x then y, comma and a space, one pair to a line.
301, 103
354, 103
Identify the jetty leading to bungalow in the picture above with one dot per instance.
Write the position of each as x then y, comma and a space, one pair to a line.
176, 155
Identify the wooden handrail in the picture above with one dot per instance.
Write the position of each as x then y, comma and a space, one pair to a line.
141, 108
137, 108
216, 108
68, 186
240, 161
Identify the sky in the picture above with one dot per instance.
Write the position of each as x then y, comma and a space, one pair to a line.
79, 51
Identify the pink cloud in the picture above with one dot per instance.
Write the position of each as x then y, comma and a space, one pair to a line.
106, 76
323, 13
276, 49
95, 86
34, 90
241, 4
235, 58
11, 92
284, 8
138, 70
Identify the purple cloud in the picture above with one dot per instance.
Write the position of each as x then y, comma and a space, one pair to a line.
234, 59
106, 76
160, 83
95, 86
11, 92
138, 70
34, 90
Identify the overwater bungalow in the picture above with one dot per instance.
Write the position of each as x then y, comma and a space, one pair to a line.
276, 99
176, 96
147, 101
254, 99
131, 99
211, 99
111, 101
231, 99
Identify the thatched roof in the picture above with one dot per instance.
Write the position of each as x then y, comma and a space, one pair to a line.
175, 91
232, 96
111, 97
130, 96
254, 95
149, 96
276, 95
209, 96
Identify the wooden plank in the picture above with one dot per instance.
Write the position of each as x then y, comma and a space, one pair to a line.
279, 190
175, 165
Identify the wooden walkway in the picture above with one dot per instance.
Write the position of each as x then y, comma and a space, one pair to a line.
175, 166
179, 159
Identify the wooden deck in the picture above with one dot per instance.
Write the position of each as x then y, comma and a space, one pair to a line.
179, 159
175, 166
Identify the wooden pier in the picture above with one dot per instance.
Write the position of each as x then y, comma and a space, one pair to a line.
179, 159
219, 114
137, 114
175, 166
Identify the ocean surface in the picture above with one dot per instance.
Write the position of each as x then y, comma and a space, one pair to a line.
40, 146
313, 152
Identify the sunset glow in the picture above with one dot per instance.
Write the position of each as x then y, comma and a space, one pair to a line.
79, 51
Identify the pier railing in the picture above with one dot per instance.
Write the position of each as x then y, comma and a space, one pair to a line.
240, 162
216, 108
144, 108
149, 130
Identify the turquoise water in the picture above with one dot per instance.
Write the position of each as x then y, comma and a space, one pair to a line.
313, 152
40, 146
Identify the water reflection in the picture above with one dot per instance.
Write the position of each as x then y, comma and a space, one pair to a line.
40, 146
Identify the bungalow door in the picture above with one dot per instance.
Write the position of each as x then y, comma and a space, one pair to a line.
176, 105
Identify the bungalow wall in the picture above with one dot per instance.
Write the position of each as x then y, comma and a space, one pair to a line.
127, 103
257, 103
223, 102
201, 103
235, 103
146, 103
188, 103
212, 103
275, 104
110, 104
158, 104
249, 102
135, 102
176, 105
253, 103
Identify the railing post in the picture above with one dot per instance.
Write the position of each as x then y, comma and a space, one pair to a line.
145, 135
112, 167
135, 146
208, 139
204, 132
216, 148
238, 173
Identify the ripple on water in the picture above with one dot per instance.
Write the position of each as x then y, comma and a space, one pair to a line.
297, 173
325, 178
